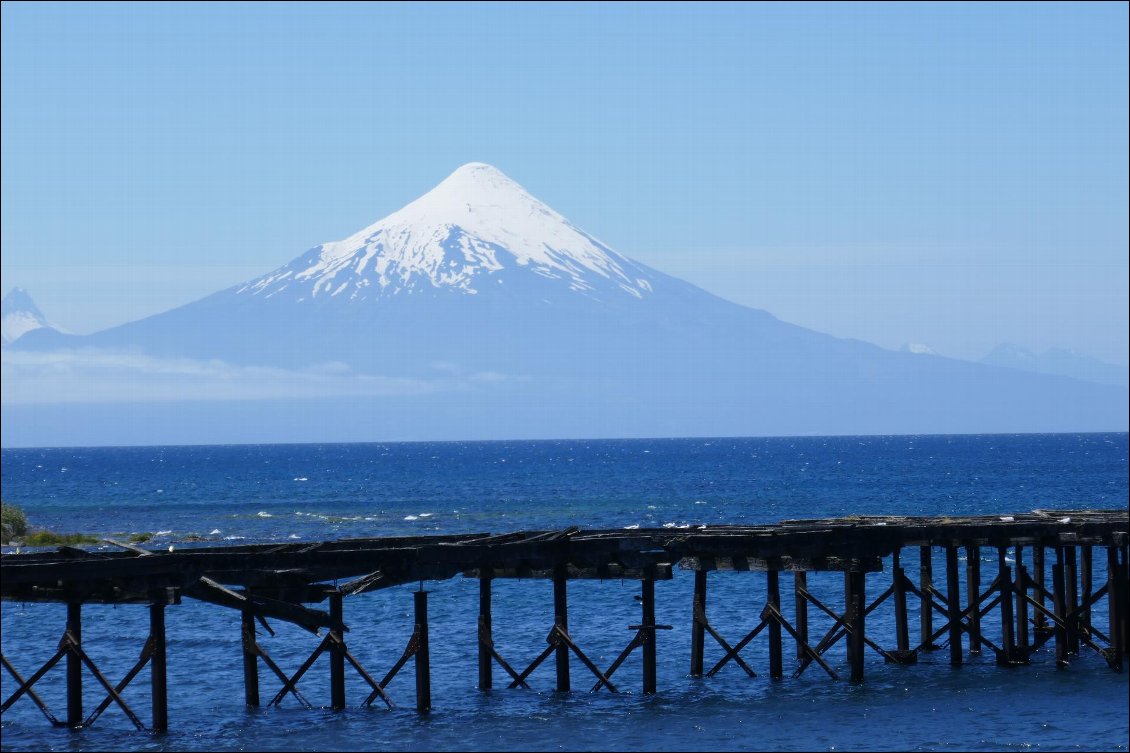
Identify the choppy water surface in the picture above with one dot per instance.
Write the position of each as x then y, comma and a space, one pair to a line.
313, 492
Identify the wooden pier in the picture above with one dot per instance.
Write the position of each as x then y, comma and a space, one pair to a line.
1083, 553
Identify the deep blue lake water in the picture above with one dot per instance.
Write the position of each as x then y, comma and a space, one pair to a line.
244, 494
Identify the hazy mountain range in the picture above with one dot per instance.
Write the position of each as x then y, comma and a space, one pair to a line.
477, 311
1058, 361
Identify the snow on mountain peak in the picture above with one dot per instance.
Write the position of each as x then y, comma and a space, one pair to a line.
477, 222
19, 315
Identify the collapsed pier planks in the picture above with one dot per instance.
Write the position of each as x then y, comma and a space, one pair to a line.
288, 582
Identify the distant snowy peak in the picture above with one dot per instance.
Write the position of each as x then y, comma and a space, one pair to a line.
463, 234
19, 315
920, 349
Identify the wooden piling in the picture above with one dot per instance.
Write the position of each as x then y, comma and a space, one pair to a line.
776, 667
953, 611
1123, 600
800, 584
423, 654
250, 660
337, 655
902, 626
1115, 594
157, 668
486, 665
973, 595
1124, 619
647, 587
858, 609
1020, 589
849, 613
1071, 581
1086, 580
74, 667
1008, 642
561, 620
698, 630
1059, 601
1039, 568
926, 612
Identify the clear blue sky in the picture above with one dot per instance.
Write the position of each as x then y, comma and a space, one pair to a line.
948, 174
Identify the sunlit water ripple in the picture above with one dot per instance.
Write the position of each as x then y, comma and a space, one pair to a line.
313, 492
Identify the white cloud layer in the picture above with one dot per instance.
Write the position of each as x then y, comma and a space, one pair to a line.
106, 376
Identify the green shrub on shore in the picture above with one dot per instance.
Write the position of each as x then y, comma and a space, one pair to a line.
50, 538
13, 523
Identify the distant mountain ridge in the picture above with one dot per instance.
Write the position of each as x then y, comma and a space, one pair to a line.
1058, 361
537, 329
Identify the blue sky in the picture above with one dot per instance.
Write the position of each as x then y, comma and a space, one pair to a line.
954, 175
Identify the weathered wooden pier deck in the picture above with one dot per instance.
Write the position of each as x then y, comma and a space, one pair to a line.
1036, 603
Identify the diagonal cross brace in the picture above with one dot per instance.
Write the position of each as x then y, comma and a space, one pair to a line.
700, 618
330, 642
146, 653
25, 687
644, 633
840, 628
556, 638
486, 642
68, 645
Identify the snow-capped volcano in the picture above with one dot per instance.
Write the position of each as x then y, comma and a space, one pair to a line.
489, 315
471, 231
19, 315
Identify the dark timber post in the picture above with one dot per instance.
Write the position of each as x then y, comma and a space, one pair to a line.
158, 674
800, 582
925, 581
1086, 567
1039, 567
1007, 625
337, 656
647, 586
1060, 600
973, 596
561, 620
1114, 595
953, 597
902, 628
1021, 589
1123, 601
1071, 580
698, 631
858, 609
423, 655
486, 682
849, 615
74, 667
776, 669
250, 660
